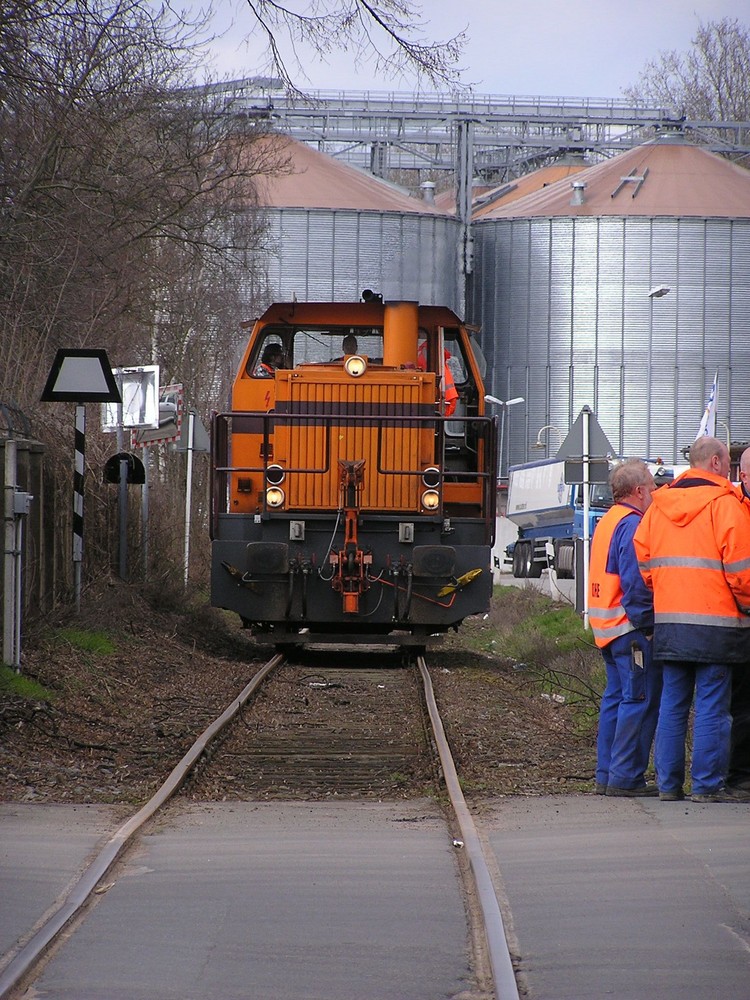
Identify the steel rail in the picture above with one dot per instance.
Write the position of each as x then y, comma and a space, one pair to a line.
504, 978
35, 947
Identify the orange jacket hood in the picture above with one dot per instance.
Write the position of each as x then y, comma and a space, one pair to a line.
690, 494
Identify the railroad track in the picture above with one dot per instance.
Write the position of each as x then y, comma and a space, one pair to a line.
299, 732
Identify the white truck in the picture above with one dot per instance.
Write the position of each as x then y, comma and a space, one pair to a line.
549, 515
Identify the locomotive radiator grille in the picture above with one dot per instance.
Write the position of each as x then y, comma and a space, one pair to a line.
353, 421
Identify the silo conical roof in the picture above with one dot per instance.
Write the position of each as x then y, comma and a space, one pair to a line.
656, 179
316, 180
537, 180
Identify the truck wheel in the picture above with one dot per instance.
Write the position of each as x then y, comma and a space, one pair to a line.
527, 558
564, 559
534, 566
518, 566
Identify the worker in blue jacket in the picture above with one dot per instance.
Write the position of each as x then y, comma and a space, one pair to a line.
621, 614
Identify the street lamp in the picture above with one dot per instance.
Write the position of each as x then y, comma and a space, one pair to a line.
729, 442
547, 427
504, 404
657, 292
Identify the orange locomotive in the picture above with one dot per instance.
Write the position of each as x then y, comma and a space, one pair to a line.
349, 499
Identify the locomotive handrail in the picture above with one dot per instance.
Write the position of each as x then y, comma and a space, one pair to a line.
220, 436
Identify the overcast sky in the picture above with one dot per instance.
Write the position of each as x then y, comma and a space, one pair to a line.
530, 47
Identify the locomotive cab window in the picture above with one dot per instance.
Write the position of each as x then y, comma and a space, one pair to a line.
312, 345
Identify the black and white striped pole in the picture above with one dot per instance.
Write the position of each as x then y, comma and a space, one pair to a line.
80, 376
78, 482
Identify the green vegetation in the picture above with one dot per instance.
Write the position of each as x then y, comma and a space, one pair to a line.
546, 640
12, 683
88, 642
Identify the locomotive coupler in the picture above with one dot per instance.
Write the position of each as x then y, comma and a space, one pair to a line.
350, 563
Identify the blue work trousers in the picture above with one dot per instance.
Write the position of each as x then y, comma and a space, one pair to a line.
629, 711
712, 725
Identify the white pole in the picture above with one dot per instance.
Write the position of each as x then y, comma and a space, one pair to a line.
188, 494
500, 448
144, 511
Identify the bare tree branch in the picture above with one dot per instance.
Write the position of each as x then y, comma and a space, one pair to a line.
710, 82
390, 33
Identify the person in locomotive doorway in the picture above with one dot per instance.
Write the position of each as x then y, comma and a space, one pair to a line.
693, 550
621, 613
450, 392
271, 359
738, 776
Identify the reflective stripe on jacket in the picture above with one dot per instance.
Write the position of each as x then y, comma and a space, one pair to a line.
693, 548
607, 616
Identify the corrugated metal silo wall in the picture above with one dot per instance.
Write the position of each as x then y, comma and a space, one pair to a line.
567, 321
325, 255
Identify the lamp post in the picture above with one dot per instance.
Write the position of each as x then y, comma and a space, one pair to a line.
503, 404
547, 427
726, 428
657, 292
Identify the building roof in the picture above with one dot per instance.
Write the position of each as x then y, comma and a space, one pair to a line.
316, 180
656, 179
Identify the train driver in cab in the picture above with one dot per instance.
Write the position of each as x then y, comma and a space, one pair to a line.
271, 360
348, 346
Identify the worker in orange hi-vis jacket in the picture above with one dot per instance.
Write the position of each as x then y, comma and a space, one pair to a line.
621, 614
693, 548
450, 392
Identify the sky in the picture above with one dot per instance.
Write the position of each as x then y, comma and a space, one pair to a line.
591, 49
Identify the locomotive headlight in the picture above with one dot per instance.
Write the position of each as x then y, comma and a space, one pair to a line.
275, 475
275, 496
430, 499
431, 478
355, 366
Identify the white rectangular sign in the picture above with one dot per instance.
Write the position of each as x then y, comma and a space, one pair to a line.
140, 399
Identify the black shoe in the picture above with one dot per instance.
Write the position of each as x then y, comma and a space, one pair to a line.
738, 792
722, 795
600, 789
677, 795
643, 791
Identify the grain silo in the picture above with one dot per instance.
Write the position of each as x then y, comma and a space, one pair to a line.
336, 230
625, 288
